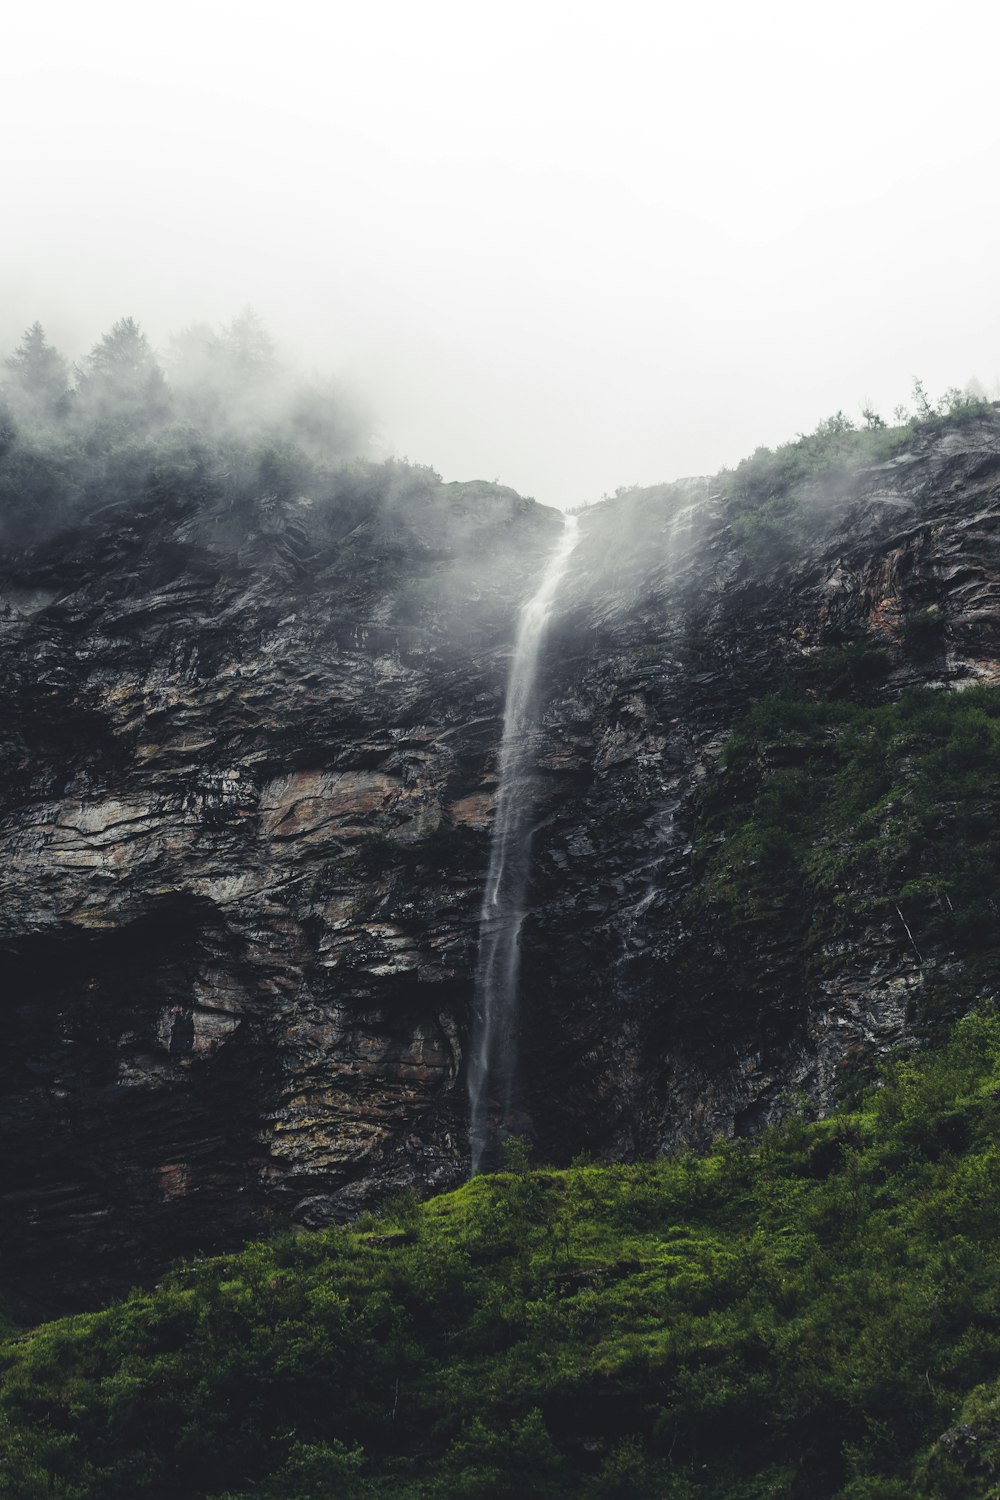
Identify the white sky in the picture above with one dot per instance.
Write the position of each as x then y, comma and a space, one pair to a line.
568, 245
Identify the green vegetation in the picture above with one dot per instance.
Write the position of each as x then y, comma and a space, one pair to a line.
774, 495
808, 1315
843, 813
922, 631
812, 1314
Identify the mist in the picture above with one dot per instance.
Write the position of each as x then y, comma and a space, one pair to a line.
221, 424
557, 246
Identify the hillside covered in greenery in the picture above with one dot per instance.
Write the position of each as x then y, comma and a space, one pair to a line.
814, 1313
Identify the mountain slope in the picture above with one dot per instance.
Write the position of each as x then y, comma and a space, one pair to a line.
249, 770
810, 1315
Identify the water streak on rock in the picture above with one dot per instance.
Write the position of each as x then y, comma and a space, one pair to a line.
493, 1060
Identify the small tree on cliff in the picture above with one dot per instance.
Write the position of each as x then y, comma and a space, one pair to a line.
921, 400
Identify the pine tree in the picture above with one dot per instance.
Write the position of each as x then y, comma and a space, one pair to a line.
36, 385
249, 347
921, 400
120, 380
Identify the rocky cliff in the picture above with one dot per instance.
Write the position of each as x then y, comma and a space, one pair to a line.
248, 779
662, 1023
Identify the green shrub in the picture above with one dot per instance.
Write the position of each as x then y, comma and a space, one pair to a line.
922, 632
840, 812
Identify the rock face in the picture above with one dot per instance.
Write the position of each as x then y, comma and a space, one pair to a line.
661, 1033
248, 782
246, 792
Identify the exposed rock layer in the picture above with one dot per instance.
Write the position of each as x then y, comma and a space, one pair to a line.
247, 792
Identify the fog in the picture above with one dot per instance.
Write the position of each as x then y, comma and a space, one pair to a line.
569, 246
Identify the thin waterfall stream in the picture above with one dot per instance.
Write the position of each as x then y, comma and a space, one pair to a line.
493, 1055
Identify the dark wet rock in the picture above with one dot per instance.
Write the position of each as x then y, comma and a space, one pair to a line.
247, 786
659, 1033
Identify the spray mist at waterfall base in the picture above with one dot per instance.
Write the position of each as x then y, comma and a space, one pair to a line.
493, 1103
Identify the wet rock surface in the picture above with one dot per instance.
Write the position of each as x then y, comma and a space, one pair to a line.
247, 783
245, 795
661, 1031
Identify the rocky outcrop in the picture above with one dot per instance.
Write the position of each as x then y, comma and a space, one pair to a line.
659, 1031
248, 781
245, 799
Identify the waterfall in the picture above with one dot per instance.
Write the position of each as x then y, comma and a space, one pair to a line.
493, 1055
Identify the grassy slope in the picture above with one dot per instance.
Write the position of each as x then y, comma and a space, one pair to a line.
800, 1316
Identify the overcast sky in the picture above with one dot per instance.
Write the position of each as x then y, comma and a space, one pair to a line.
567, 245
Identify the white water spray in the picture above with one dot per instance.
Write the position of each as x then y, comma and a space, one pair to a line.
493, 1059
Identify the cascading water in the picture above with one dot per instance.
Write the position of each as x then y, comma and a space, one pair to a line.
493, 1058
